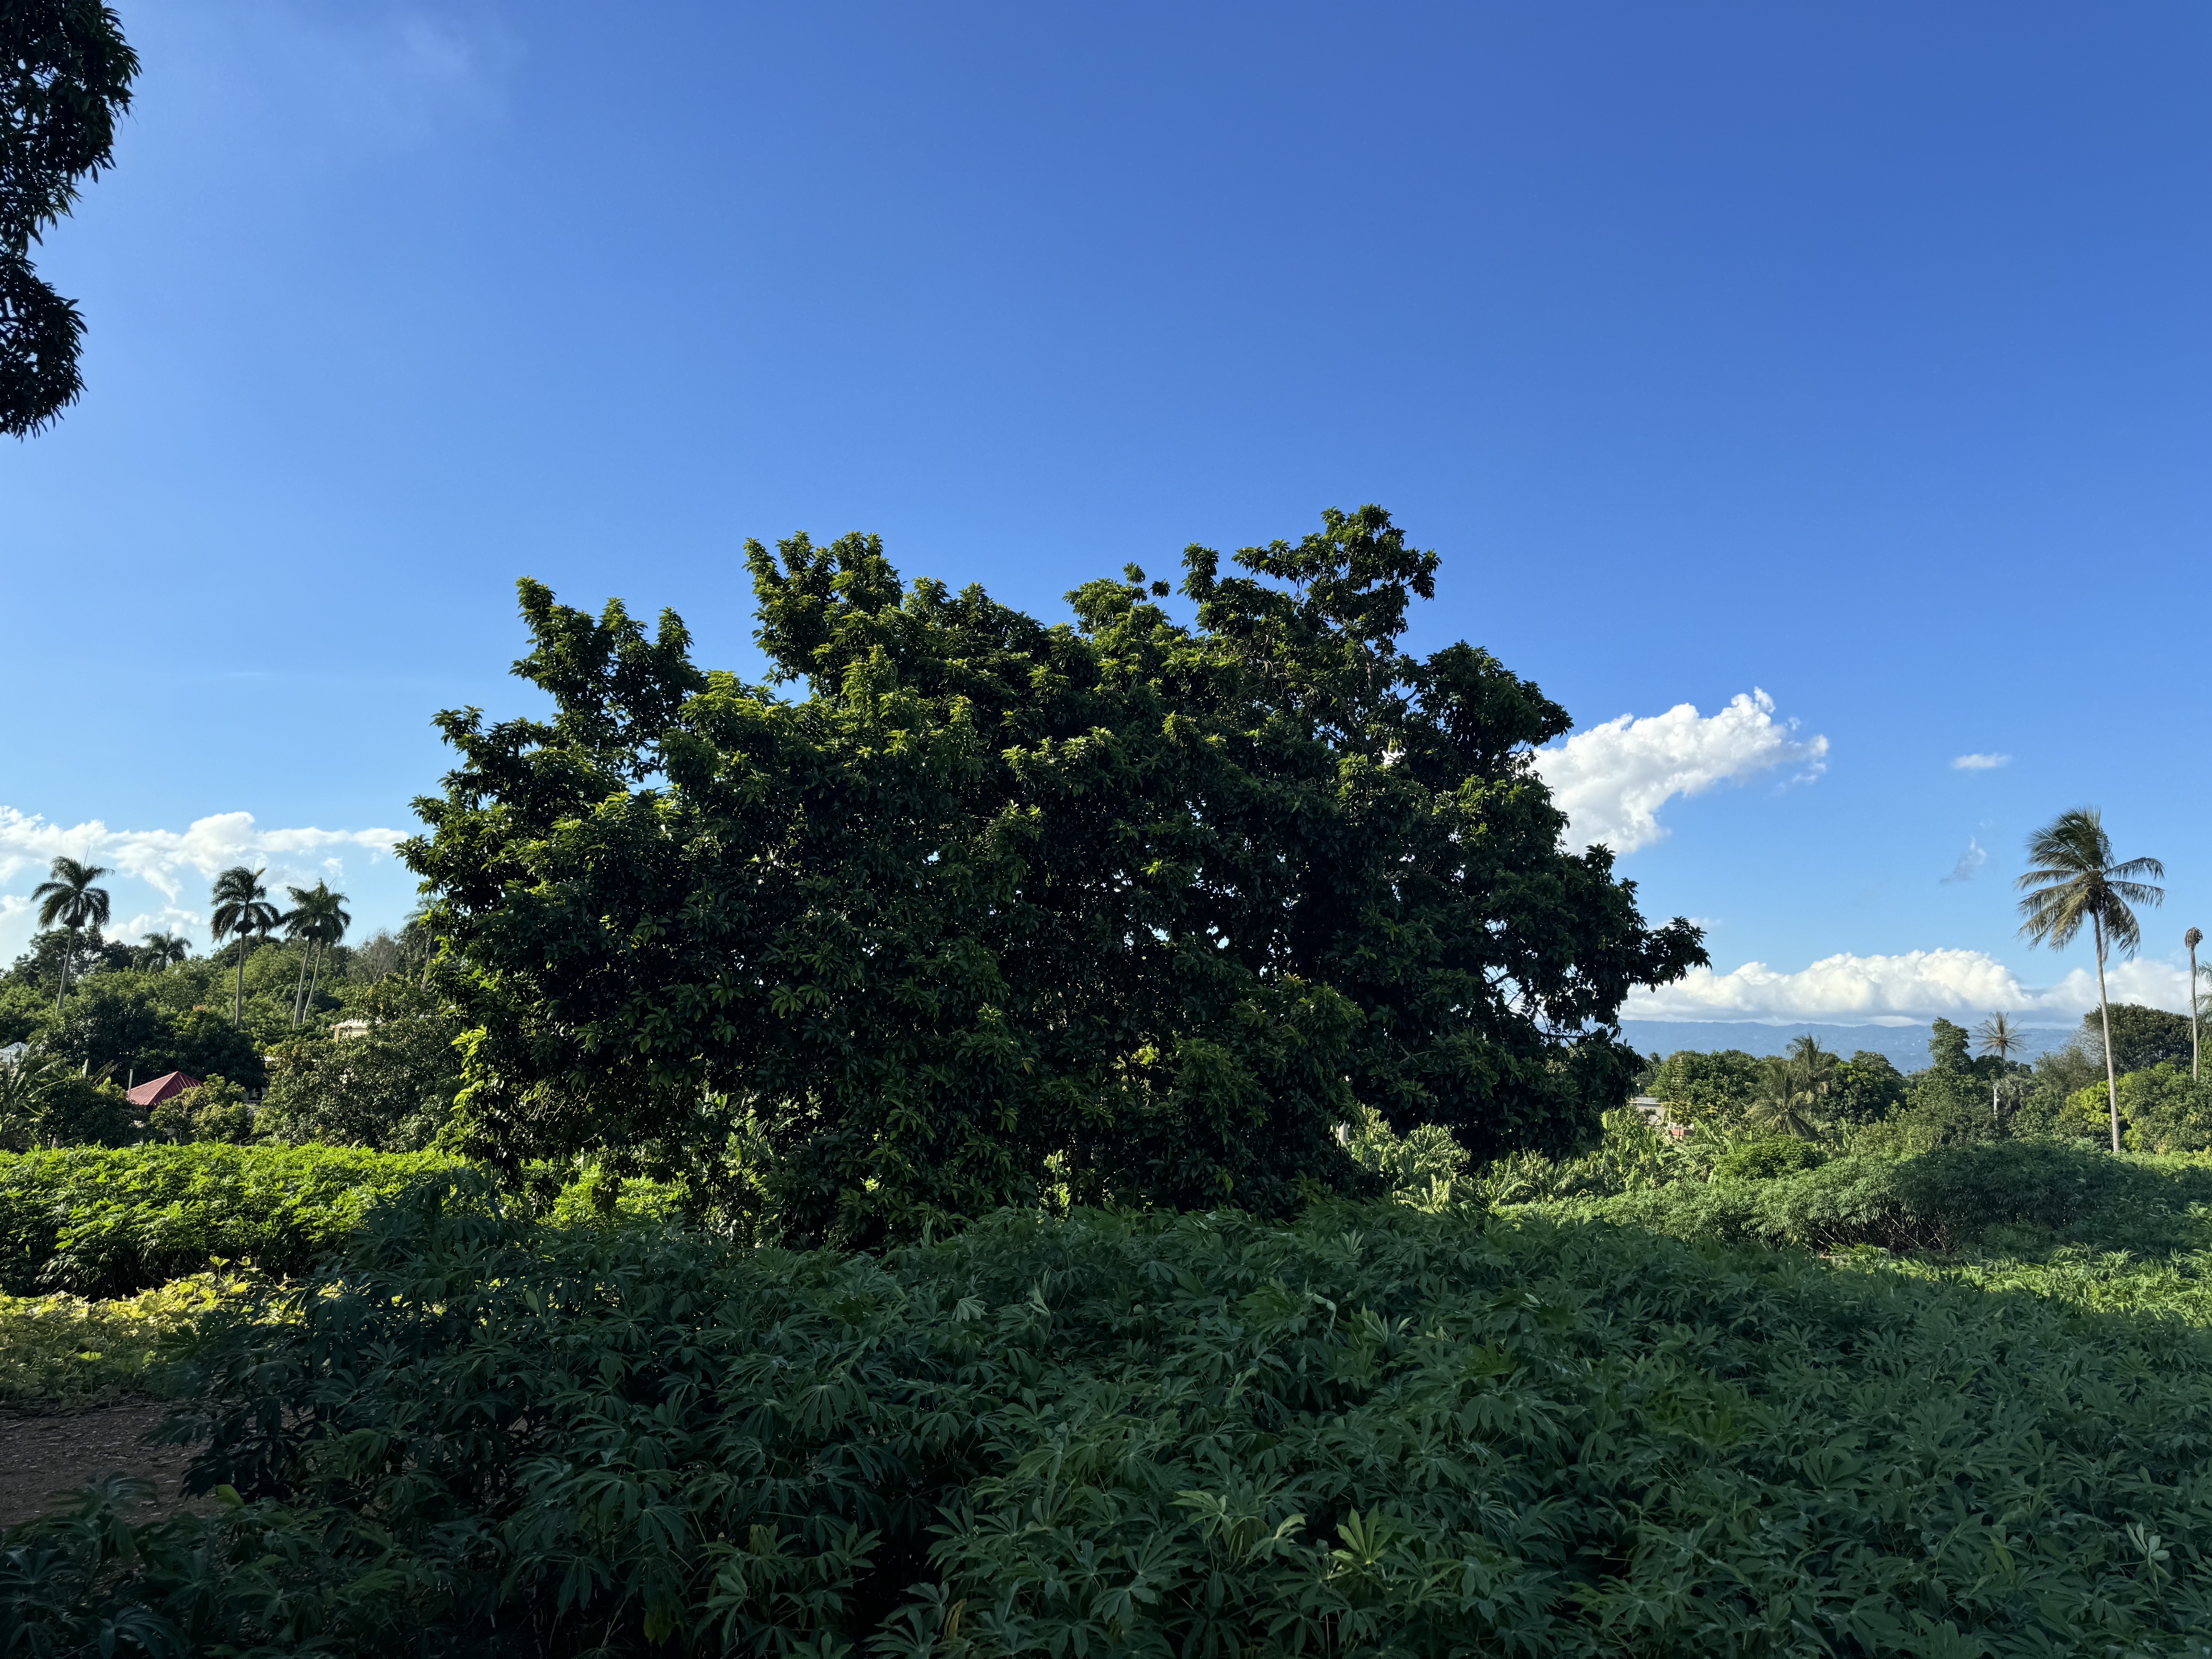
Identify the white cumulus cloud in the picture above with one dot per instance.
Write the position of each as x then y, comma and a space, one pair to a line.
1612, 779
165, 860
1980, 762
159, 857
1917, 985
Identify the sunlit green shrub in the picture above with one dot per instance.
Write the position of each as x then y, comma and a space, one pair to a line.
1940, 1201
1767, 1157
107, 1222
60, 1353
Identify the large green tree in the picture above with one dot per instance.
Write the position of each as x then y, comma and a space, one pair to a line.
65, 74
1123, 908
2073, 877
2142, 1037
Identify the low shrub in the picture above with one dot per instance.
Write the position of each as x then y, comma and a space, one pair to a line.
1375, 1431
1765, 1158
1940, 1201
105, 1222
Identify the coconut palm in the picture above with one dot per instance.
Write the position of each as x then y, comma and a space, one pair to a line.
2192, 938
241, 909
70, 898
1997, 1036
1786, 1097
2072, 878
165, 951
317, 917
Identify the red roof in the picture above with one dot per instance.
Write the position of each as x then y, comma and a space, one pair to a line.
168, 1086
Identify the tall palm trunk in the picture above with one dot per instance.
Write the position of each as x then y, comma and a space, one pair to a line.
299, 990
238, 1008
2193, 1009
2104, 1014
68, 954
314, 984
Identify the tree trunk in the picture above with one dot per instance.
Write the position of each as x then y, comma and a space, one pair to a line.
238, 1008
2192, 1014
300, 991
68, 951
2104, 1014
316, 983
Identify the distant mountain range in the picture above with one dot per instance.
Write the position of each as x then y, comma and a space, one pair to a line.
1906, 1046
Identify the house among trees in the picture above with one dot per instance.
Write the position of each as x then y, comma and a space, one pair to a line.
168, 1086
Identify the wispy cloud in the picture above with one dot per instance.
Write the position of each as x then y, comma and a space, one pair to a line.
1980, 762
1612, 779
1971, 860
1916, 985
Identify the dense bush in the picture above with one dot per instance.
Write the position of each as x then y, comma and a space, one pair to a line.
390, 1087
1940, 1201
98, 1222
1765, 1158
1375, 1431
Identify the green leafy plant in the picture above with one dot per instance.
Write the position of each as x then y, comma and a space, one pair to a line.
98, 1222
63, 1352
1375, 1430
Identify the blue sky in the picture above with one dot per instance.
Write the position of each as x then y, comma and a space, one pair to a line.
1852, 363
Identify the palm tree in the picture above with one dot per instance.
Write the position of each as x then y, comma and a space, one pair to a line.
1790, 1089
2072, 878
2192, 938
1997, 1036
241, 908
316, 917
165, 951
70, 898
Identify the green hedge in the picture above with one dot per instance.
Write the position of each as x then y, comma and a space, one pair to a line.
1941, 1200
100, 1222
1374, 1431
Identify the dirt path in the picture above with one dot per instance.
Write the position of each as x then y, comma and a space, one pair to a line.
41, 1455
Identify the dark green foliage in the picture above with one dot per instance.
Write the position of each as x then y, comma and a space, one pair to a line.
2164, 1109
106, 1223
391, 1088
1706, 1087
216, 1110
1949, 1048
2142, 1037
49, 1103
1762, 1160
65, 75
1375, 1431
1867, 1088
1941, 1200
1000, 913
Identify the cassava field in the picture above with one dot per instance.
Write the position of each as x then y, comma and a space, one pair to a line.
1647, 1423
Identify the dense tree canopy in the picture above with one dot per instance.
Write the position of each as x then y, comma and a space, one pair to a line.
2142, 1037
1122, 908
65, 74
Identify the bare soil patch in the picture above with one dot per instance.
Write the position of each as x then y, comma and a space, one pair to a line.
42, 1457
